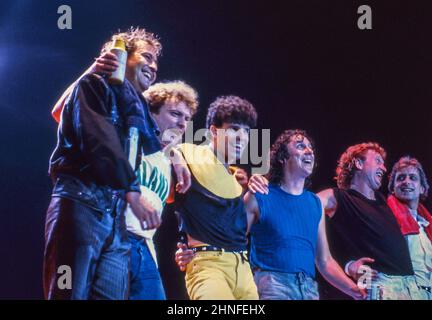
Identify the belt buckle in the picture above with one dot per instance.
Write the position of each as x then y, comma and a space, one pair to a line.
428, 289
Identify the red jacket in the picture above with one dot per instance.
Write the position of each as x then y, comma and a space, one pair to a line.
406, 221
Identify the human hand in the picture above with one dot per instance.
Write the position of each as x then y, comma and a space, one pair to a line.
183, 255
143, 210
359, 267
242, 177
258, 183
106, 64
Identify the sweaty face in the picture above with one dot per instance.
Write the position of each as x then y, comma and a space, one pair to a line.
231, 140
407, 185
172, 120
302, 157
373, 169
141, 67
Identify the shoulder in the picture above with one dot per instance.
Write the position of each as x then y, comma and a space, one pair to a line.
311, 196
92, 84
197, 154
328, 198
187, 148
326, 195
93, 79
273, 192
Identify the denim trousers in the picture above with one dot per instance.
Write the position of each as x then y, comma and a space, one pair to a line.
145, 280
387, 287
89, 244
274, 285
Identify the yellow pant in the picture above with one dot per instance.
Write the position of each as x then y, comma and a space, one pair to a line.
220, 276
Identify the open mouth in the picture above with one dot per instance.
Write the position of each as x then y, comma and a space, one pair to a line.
406, 189
147, 74
308, 162
379, 175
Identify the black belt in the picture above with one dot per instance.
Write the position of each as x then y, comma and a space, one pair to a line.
213, 248
428, 289
242, 253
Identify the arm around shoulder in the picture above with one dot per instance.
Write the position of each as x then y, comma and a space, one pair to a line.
328, 201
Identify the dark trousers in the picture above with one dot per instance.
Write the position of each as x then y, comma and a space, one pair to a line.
90, 244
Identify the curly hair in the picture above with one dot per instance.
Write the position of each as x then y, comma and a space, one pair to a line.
406, 162
279, 152
231, 109
178, 91
134, 38
346, 164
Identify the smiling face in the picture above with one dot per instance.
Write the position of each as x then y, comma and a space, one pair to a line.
230, 140
301, 156
371, 169
407, 185
172, 118
141, 66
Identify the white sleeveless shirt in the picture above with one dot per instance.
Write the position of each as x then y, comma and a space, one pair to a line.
154, 175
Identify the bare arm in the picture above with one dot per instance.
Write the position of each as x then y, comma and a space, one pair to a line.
181, 169
328, 202
252, 209
184, 255
241, 176
330, 269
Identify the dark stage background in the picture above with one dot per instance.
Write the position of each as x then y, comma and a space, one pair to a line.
304, 64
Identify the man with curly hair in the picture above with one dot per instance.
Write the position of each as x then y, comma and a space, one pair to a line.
288, 236
92, 168
361, 224
212, 213
408, 186
172, 105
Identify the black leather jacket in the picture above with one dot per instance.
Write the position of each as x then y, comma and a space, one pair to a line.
90, 162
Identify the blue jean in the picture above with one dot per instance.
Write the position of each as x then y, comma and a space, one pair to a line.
387, 287
92, 244
145, 280
285, 286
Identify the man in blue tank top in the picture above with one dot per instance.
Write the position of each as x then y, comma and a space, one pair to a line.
287, 228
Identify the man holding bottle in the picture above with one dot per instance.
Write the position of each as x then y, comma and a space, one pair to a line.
94, 179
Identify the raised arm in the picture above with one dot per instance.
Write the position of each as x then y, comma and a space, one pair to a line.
103, 65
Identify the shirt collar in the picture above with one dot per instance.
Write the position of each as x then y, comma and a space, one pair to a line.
420, 220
